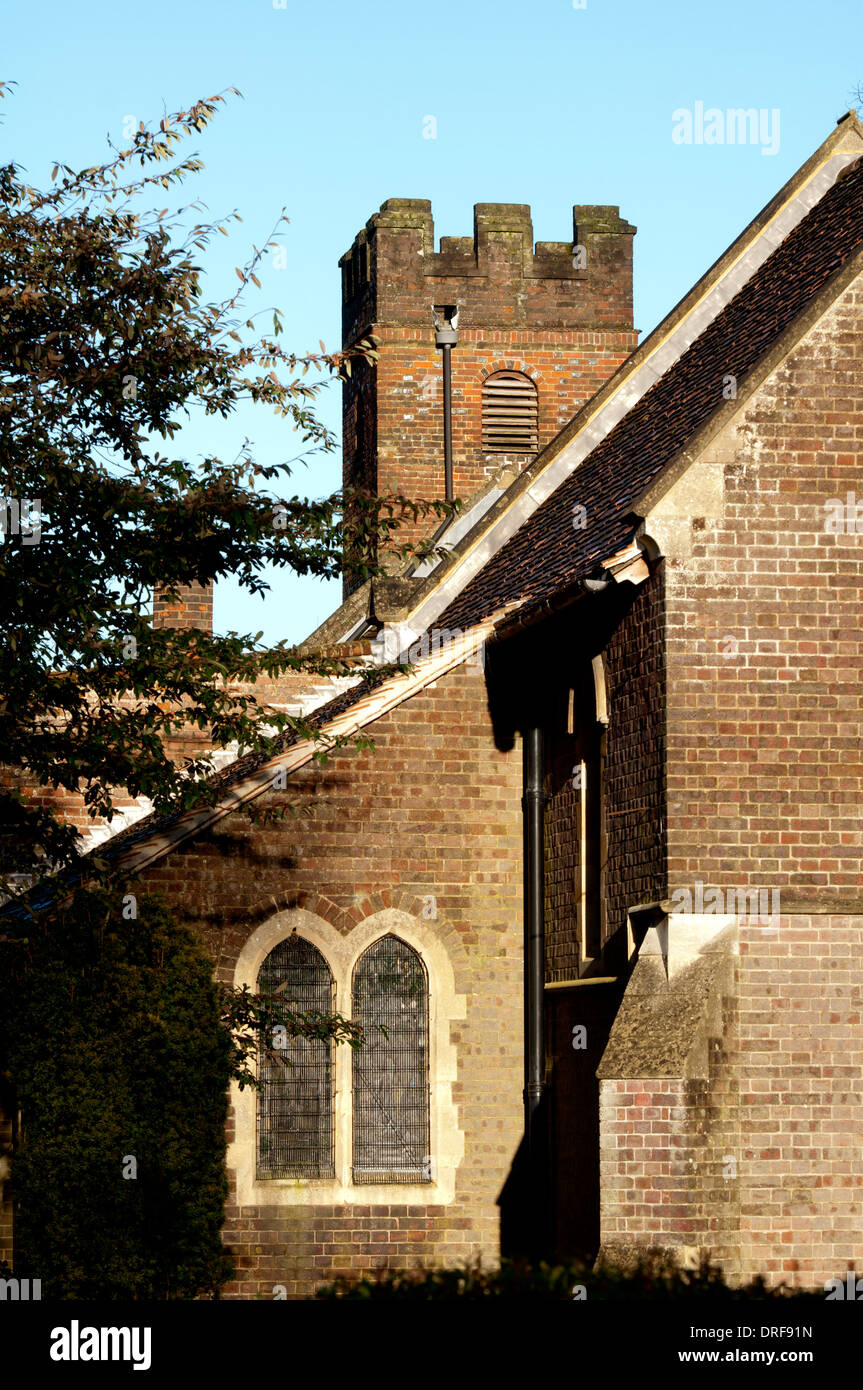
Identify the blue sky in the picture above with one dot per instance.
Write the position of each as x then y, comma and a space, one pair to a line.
541, 103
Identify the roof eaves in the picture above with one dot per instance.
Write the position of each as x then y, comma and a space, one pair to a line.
631, 565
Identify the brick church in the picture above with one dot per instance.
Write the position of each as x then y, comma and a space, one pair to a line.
600, 876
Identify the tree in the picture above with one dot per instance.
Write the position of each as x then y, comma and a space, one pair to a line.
106, 342
119, 1174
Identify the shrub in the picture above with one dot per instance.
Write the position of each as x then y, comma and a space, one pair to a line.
652, 1277
111, 1035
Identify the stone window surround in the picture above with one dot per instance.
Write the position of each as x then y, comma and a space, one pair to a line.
341, 953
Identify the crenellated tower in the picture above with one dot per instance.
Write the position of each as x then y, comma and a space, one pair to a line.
540, 329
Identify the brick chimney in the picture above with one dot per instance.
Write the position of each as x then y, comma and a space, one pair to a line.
193, 610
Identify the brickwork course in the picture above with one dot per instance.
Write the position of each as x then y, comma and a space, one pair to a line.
670, 589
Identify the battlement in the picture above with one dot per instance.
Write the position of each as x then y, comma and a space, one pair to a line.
552, 317
392, 273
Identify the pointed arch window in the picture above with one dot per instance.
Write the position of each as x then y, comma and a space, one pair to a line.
295, 1104
391, 1069
510, 414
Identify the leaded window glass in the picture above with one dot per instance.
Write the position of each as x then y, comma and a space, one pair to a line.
390, 1070
295, 1105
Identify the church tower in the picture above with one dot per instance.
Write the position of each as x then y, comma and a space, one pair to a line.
539, 330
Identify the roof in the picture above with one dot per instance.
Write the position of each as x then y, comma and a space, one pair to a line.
550, 551
525, 548
492, 518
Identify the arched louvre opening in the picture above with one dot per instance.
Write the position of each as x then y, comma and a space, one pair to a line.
295, 1105
510, 414
390, 1071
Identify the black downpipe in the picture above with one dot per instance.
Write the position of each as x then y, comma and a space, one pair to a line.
534, 965
447, 420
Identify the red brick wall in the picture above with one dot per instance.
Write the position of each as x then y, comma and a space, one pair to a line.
765, 759
68, 806
568, 367
278, 691
758, 1162
434, 809
765, 669
562, 948
800, 1061
192, 609
632, 855
673, 1168
648, 1186
634, 758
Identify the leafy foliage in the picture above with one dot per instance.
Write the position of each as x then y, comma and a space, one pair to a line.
653, 1277
250, 1018
111, 1030
107, 346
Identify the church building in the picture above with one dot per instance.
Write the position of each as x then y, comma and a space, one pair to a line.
600, 875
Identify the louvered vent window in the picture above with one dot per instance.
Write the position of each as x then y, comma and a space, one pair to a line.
390, 1071
510, 414
295, 1110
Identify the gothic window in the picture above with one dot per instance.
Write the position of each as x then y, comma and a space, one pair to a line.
295, 1110
390, 1070
510, 414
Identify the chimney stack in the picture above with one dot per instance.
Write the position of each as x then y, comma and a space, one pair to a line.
191, 611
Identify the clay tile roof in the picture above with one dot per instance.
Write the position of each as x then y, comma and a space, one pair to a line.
548, 553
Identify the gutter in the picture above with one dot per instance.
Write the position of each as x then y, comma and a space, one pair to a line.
630, 565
